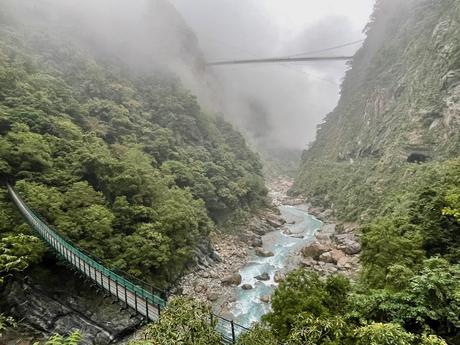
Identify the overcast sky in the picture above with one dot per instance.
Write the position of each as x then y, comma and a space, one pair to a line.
290, 99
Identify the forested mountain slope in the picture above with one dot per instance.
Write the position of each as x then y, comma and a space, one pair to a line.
399, 105
121, 159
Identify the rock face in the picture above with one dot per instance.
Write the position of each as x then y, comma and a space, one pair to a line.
400, 109
263, 253
234, 279
52, 301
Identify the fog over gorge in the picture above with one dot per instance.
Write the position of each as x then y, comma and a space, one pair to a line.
291, 99
276, 105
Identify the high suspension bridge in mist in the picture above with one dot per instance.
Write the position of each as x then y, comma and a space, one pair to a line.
300, 57
279, 59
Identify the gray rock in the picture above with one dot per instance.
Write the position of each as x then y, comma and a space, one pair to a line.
204, 274
274, 220
314, 250
234, 279
308, 262
328, 228
348, 242
52, 301
323, 237
264, 276
256, 241
263, 253
297, 236
326, 257
246, 287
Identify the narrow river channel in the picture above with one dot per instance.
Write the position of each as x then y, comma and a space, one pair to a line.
249, 307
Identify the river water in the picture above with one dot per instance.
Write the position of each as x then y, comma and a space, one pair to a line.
248, 307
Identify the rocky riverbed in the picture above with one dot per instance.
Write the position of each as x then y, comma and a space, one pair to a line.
334, 248
215, 283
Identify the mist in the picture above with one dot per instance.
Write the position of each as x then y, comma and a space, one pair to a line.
279, 105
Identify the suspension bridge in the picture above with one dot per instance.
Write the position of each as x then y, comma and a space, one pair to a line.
131, 292
279, 59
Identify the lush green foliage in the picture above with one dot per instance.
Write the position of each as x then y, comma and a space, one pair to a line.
305, 291
5, 322
184, 322
73, 339
17, 252
126, 166
259, 334
308, 309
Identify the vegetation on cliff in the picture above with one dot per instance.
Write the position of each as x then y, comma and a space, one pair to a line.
125, 165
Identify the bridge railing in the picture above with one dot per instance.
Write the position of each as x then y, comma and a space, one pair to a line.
135, 295
117, 285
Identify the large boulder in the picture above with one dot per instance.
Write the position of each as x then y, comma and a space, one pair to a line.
263, 276
348, 242
326, 257
337, 254
308, 262
274, 220
328, 228
234, 279
263, 253
256, 241
323, 237
344, 263
332, 256
314, 250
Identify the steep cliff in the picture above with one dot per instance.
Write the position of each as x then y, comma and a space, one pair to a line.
399, 105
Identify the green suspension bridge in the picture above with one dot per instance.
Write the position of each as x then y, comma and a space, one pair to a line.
141, 297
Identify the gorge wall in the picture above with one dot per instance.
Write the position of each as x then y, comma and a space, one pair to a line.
399, 105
